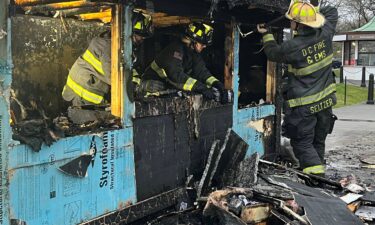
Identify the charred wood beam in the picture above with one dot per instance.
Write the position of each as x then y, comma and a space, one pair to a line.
105, 16
142, 209
280, 216
178, 8
171, 105
304, 175
156, 15
170, 20
39, 2
64, 5
116, 72
67, 9
282, 206
74, 12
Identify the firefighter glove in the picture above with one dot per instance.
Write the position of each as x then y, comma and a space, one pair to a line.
218, 85
152, 86
224, 97
262, 28
208, 93
224, 94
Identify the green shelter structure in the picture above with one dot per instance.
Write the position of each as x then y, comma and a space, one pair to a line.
358, 50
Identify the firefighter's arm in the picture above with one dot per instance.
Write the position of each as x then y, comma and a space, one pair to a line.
331, 15
274, 51
106, 62
176, 75
201, 71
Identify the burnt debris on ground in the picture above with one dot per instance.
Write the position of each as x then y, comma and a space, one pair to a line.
250, 190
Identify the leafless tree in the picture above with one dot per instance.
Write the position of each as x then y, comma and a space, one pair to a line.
353, 13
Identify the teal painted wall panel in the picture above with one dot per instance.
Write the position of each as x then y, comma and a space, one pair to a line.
5, 131
40, 193
242, 118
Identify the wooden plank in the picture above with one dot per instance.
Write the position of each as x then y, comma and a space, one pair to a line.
156, 14
96, 15
271, 82
68, 8
116, 73
170, 20
83, 10
39, 2
141, 210
63, 5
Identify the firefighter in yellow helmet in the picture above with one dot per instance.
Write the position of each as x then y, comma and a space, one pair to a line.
89, 79
181, 66
311, 89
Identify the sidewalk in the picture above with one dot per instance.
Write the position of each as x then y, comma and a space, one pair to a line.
352, 140
354, 124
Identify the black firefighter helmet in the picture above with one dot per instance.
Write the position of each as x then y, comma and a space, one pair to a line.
200, 32
142, 24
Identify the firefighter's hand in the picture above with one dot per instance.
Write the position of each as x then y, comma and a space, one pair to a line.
208, 93
262, 28
152, 86
224, 97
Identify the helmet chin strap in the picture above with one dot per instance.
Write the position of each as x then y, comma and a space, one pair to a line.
192, 44
296, 28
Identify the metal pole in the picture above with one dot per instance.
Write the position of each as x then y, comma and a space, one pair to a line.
363, 83
341, 74
345, 92
370, 100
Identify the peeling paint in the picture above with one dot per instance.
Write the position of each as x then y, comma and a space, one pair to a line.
258, 125
267, 128
2, 34
197, 103
123, 205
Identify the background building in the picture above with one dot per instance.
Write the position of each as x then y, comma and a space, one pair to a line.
358, 51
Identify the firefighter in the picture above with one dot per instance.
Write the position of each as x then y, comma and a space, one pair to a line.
89, 79
311, 89
181, 66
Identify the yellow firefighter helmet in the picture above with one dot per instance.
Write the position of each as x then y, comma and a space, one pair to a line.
305, 13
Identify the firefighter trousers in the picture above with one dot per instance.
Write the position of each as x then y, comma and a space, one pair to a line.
307, 133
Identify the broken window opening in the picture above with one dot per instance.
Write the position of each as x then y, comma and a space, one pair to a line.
167, 31
252, 71
43, 52
44, 57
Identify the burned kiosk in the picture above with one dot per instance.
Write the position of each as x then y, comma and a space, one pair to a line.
149, 147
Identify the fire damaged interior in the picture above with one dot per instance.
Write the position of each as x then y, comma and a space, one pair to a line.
49, 37
172, 159
173, 134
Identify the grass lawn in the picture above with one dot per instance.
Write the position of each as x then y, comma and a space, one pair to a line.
354, 95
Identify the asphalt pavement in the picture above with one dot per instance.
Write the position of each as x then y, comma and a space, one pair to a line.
351, 143
354, 124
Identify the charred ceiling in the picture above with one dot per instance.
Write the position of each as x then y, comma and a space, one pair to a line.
163, 11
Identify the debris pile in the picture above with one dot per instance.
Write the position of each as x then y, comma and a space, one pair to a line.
236, 189
87, 120
30, 124
32, 127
